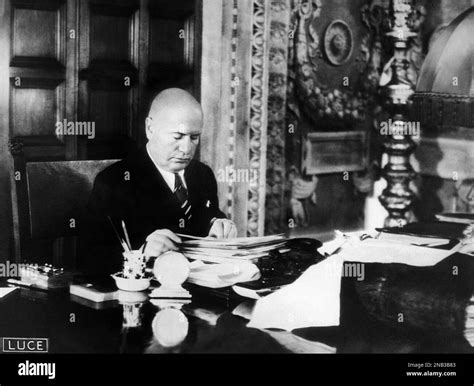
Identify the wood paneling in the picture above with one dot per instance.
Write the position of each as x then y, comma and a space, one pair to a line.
107, 124
172, 53
34, 111
37, 73
109, 37
108, 76
162, 48
27, 41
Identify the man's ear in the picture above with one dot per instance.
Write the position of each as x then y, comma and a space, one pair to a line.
148, 129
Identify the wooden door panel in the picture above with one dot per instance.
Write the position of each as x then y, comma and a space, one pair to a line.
110, 112
38, 74
109, 37
34, 111
166, 45
109, 88
26, 41
172, 45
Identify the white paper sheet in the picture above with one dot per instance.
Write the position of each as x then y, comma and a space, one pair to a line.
244, 309
379, 251
386, 251
4, 291
299, 345
312, 300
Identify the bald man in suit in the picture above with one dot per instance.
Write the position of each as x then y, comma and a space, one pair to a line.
159, 190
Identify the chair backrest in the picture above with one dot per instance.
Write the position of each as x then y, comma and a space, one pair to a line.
57, 194
50, 201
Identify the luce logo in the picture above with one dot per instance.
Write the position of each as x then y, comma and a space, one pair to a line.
28, 345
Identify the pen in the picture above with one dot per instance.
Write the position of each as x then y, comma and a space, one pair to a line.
122, 243
127, 239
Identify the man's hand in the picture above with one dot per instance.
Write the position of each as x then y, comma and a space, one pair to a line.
159, 242
223, 228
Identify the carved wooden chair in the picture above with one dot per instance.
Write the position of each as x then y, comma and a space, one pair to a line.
48, 199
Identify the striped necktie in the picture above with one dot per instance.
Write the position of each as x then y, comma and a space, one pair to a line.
181, 194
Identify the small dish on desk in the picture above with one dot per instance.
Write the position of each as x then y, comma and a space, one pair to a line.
133, 285
131, 297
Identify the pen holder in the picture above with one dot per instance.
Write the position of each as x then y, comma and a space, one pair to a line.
132, 278
134, 264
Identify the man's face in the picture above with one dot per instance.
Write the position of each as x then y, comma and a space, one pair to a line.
173, 137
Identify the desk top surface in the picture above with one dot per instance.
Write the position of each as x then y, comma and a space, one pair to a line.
203, 326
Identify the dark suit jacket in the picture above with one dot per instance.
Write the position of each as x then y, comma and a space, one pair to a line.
133, 190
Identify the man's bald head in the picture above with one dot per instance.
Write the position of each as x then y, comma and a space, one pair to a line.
173, 128
175, 101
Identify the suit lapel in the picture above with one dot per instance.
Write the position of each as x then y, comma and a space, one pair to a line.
150, 180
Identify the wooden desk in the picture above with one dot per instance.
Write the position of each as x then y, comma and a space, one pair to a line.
75, 328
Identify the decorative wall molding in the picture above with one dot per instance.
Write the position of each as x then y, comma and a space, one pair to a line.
338, 42
234, 83
275, 206
258, 117
15, 146
348, 104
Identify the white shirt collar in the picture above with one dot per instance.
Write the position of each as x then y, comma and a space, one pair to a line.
168, 176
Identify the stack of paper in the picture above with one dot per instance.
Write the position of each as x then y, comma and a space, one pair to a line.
221, 275
236, 250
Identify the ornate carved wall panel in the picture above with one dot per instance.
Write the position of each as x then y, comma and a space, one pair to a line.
332, 64
336, 59
258, 118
